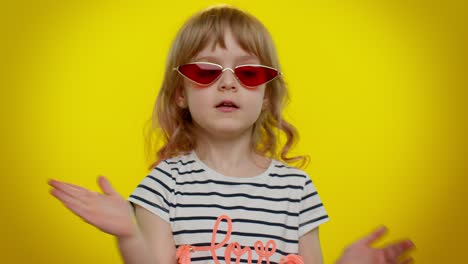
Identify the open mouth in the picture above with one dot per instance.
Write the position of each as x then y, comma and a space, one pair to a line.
227, 104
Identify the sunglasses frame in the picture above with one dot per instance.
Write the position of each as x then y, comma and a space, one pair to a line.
224, 69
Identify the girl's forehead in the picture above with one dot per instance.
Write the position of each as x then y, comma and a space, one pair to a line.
220, 56
231, 50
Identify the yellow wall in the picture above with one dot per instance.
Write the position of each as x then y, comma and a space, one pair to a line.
377, 94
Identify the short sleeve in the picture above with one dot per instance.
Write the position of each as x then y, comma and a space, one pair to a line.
312, 212
155, 191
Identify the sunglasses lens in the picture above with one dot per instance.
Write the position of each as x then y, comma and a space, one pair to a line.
255, 75
202, 73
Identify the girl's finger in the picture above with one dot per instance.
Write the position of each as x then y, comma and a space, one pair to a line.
105, 185
76, 187
69, 201
393, 251
70, 189
372, 237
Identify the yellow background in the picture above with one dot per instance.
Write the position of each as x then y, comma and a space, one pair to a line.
378, 95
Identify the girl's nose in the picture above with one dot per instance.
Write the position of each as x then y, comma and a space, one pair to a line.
228, 81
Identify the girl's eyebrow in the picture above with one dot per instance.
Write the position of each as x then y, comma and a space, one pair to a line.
208, 58
216, 59
247, 57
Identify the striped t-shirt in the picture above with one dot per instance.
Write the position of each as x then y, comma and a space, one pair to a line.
281, 205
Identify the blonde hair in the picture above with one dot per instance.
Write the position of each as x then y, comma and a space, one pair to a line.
174, 124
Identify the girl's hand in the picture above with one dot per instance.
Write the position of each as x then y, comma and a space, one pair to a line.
361, 252
107, 211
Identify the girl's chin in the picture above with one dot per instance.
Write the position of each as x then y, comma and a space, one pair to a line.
224, 128
228, 131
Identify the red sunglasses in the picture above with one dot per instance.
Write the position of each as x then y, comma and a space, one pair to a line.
206, 73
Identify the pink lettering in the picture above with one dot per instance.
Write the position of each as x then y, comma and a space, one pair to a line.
215, 246
263, 251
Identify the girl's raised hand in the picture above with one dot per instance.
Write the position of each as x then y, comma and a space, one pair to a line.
362, 252
107, 211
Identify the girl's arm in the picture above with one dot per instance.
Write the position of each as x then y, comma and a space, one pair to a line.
309, 247
133, 248
149, 241
362, 252
152, 243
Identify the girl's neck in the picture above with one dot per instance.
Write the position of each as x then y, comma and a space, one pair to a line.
231, 156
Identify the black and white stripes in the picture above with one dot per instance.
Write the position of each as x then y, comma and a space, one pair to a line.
280, 204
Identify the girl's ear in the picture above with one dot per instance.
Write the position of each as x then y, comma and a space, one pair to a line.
265, 103
181, 99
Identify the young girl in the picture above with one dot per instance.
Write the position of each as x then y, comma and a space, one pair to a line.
219, 192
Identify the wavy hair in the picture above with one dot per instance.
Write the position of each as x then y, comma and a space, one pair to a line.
171, 134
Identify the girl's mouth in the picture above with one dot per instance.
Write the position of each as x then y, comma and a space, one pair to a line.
227, 106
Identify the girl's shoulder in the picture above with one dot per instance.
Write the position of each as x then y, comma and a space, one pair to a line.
281, 165
177, 163
282, 169
181, 160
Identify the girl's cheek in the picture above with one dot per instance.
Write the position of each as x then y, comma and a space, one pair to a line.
198, 86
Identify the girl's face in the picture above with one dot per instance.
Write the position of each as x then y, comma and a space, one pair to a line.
204, 101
